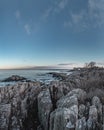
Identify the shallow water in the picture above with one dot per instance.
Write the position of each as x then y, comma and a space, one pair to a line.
39, 75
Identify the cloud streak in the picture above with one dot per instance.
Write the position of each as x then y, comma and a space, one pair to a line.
18, 15
62, 4
66, 64
51, 11
69, 65
57, 8
27, 29
90, 17
47, 13
25, 26
78, 21
96, 12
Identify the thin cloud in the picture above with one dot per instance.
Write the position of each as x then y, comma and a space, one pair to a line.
77, 18
46, 14
70, 65
90, 17
62, 4
67, 64
27, 26
96, 12
68, 24
56, 8
78, 21
27, 29
18, 14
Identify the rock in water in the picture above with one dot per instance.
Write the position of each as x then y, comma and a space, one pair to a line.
14, 78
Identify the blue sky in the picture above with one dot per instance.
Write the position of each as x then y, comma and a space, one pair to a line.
51, 32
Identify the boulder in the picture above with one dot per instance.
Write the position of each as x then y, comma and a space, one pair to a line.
18, 106
90, 124
5, 113
64, 118
79, 93
96, 101
93, 116
82, 109
56, 89
72, 98
81, 124
67, 101
93, 113
44, 108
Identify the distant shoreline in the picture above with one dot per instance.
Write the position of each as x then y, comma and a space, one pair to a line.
35, 69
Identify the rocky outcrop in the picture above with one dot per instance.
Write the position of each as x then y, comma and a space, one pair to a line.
14, 78
5, 114
18, 106
63, 118
59, 76
29, 106
57, 90
75, 103
81, 124
77, 118
44, 108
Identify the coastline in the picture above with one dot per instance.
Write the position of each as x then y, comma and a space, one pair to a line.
75, 100
32, 75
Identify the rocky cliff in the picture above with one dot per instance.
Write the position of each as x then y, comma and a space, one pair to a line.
74, 103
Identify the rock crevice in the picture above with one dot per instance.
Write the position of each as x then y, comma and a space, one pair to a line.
74, 103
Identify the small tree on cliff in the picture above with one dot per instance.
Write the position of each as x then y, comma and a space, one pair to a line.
90, 65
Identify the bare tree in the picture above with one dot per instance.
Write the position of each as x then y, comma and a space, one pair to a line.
91, 64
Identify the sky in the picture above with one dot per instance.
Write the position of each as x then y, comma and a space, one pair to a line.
62, 33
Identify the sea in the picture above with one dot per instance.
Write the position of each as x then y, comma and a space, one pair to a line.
34, 75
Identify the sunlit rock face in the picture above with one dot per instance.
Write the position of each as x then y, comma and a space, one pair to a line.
61, 105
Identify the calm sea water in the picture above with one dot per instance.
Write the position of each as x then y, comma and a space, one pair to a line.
39, 75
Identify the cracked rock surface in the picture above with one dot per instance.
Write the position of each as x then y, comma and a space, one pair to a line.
74, 103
